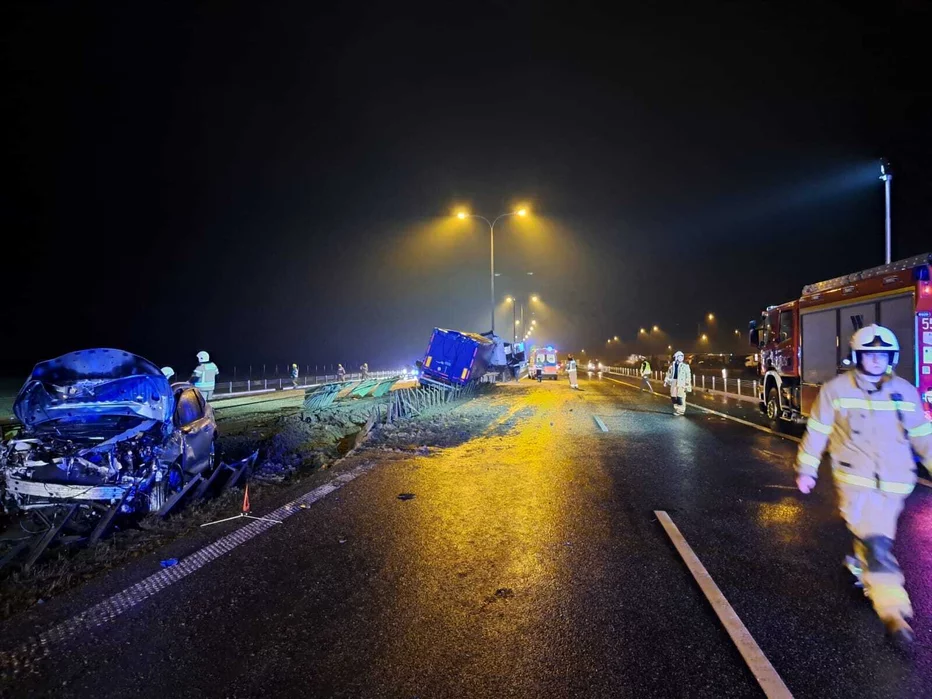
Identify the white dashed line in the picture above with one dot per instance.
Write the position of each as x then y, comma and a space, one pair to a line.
757, 662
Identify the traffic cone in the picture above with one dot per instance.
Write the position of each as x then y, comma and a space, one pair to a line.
246, 500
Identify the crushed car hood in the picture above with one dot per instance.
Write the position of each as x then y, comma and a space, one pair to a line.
106, 391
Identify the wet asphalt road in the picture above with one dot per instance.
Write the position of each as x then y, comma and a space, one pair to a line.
529, 564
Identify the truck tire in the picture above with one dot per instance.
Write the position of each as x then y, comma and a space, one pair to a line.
773, 406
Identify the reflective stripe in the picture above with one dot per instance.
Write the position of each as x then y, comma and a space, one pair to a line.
852, 479
865, 482
898, 488
818, 426
807, 459
864, 404
923, 430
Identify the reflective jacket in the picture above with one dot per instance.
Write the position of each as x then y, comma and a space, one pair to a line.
205, 376
645, 368
571, 365
871, 432
683, 380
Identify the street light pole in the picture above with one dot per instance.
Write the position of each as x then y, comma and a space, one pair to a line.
886, 174
519, 212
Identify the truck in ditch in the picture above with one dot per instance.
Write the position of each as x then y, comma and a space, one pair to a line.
804, 342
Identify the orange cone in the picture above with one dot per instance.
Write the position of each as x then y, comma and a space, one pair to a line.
246, 501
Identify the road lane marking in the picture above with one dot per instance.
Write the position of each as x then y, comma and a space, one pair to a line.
921, 481
748, 423
11, 662
599, 422
757, 662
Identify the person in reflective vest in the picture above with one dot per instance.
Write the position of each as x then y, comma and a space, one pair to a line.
571, 371
872, 424
680, 380
645, 376
205, 375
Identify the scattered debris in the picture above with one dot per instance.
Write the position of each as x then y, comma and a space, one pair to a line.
169, 562
406, 496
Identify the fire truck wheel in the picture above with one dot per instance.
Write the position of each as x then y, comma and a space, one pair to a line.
773, 406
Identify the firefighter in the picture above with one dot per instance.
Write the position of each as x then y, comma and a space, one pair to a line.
571, 371
294, 375
680, 380
364, 369
872, 423
341, 373
205, 375
645, 376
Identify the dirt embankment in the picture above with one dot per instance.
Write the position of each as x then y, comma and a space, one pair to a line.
293, 450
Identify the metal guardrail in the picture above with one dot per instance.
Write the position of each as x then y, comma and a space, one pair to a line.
742, 389
251, 387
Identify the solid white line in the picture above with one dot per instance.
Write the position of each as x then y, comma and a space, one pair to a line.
599, 422
748, 423
921, 481
757, 662
113, 606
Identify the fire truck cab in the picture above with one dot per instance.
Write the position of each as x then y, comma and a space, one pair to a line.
804, 343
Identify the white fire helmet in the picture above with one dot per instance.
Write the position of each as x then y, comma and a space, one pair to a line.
679, 357
168, 372
202, 356
875, 338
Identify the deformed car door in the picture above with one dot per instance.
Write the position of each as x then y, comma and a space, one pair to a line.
197, 428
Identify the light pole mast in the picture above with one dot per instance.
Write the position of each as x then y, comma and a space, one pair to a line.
886, 174
491, 224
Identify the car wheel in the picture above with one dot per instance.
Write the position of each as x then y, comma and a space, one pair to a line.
773, 406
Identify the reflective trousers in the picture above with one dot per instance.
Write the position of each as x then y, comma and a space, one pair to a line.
678, 396
573, 379
871, 516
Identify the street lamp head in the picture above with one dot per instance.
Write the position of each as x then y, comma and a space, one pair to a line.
711, 316
508, 299
521, 212
656, 328
643, 331
461, 215
535, 298
704, 337
615, 338
533, 322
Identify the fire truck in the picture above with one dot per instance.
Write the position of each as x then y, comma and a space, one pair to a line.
803, 343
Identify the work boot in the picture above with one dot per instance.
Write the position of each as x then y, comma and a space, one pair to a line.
856, 568
901, 633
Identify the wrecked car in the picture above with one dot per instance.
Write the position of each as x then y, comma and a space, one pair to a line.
103, 428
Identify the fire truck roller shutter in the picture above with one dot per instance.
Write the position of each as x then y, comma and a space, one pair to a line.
898, 314
820, 355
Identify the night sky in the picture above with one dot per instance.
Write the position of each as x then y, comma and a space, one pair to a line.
273, 183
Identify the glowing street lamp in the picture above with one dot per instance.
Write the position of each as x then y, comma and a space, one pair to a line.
462, 215
656, 328
704, 338
643, 331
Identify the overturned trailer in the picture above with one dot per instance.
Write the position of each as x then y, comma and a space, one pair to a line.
455, 358
103, 434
